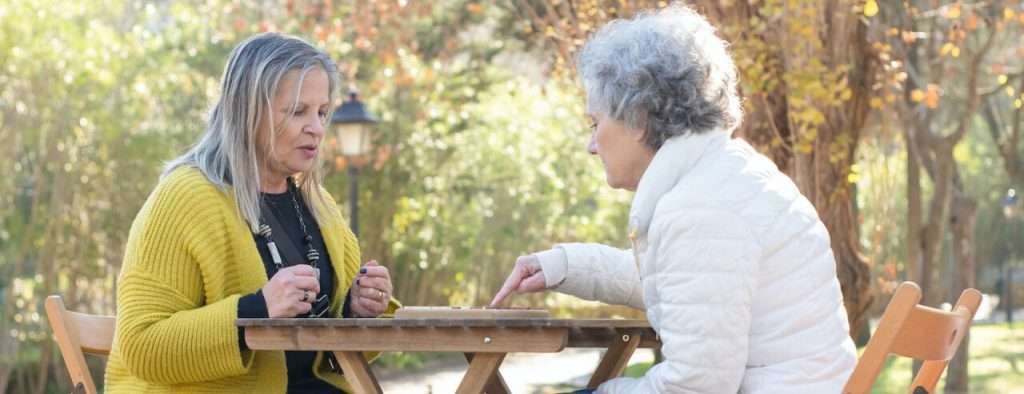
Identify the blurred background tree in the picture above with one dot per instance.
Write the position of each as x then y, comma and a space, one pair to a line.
480, 152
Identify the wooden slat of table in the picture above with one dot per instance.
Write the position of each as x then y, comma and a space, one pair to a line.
591, 337
357, 372
349, 336
500, 322
482, 368
615, 359
496, 385
409, 339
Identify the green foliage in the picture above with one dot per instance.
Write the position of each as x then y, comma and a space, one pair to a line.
482, 179
94, 96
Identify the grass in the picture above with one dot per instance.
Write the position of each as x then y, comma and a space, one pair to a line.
995, 366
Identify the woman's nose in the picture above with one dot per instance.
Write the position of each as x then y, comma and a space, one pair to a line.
592, 145
316, 128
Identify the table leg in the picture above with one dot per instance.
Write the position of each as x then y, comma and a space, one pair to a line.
482, 369
615, 359
496, 385
358, 373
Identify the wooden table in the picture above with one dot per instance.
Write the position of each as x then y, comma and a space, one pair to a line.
485, 342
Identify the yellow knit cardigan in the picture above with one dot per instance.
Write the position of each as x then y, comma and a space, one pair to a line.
189, 258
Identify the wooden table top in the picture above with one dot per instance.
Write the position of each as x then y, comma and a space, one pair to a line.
469, 323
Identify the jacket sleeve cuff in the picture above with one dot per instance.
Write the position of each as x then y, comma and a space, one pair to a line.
251, 306
346, 309
553, 264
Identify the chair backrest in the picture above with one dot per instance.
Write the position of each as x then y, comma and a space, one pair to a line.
78, 334
916, 331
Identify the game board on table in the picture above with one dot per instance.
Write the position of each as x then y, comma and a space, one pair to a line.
464, 312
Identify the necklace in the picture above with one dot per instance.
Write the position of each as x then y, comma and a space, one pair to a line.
312, 255
321, 304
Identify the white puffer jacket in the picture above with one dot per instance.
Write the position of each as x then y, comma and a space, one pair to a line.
736, 275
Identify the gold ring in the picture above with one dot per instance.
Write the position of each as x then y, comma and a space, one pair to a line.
305, 296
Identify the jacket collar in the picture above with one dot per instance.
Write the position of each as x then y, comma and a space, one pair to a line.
676, 157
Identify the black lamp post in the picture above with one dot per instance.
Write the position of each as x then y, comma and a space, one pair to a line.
1010, 210
353, 124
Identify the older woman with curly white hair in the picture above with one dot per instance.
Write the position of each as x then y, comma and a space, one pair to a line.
730, 262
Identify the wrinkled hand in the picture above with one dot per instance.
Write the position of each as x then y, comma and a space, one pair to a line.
371, 290
526, 277
292, 291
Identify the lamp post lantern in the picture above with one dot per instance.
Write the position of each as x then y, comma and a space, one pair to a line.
353, 122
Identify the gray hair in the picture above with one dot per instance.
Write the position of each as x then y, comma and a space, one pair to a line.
666, 73
227, 153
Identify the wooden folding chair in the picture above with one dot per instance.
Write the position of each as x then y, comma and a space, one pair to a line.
916, 331
77, 334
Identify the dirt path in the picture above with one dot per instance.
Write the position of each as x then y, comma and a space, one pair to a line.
524, 373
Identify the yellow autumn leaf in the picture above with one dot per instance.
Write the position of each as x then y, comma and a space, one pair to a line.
1009, 91
956, 51
947, 48
870, 8
1018, 103
953, 12
875, 102
846, 94
1008, 13
917, 95
1002, 79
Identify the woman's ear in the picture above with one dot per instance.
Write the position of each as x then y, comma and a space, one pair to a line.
639, 133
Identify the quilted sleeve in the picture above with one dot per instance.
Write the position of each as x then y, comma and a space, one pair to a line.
706, 262
602, 273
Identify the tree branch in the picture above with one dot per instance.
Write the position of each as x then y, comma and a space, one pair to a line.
1010, 78
972, 85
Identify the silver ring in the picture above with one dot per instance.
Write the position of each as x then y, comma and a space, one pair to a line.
305, 296
380, 294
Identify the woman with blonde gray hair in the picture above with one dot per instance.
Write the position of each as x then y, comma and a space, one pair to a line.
240, 227
730, 262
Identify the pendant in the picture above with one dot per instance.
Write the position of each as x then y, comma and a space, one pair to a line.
274, 254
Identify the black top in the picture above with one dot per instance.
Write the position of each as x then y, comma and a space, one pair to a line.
299, 363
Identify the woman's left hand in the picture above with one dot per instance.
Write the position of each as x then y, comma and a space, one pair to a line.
371, 290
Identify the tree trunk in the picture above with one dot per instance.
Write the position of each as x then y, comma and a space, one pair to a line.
43, 373
962, 221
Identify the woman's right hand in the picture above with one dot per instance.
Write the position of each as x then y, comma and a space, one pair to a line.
292, 291
526, 277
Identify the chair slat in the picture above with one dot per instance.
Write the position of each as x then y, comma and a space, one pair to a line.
77, 334
916, 331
